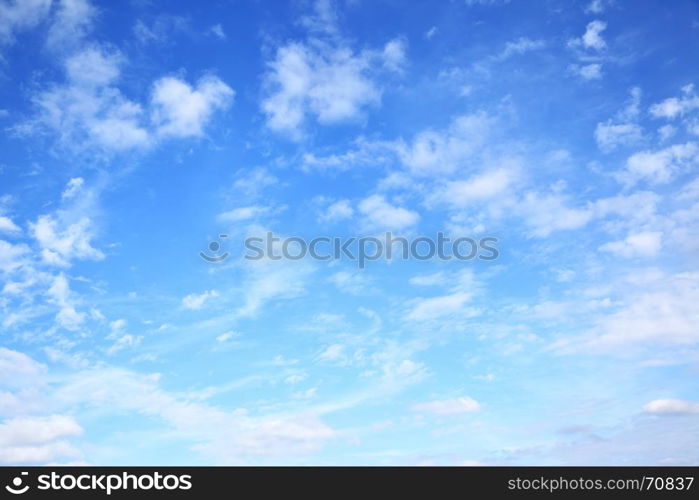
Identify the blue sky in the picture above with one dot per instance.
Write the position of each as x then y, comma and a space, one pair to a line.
134, 134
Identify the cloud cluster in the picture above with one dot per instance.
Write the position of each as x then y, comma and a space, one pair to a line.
89, 111
324, 78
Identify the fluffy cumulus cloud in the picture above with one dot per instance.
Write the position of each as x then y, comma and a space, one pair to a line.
379, 213
590, 48
327, 83
89, 112
179, 110
62, 241
324, 78
592, 38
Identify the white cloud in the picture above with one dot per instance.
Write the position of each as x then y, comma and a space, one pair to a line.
365, 153
545, 214
436, 307
337, 211
63, 241
19, 15
659, 167
60, 294
610, 135
324, 18
643, 244
11, 256
380, 214
445, 151
123, 342
37, 439
394, 58
227, 336
179, 110
461, 287
89, 112
251, 182
333, 353
16, 367
329, 84
197, 301
354, 283
587, 48
69, 318
217, 31
117, 326
673, 107
163, 29
72, 22
588, 72
660, 313
243, 213
597, 6
7, 226
666, 132
268, 280
324, 78
636, 207
671, 407
93, 67
428, 279
521, 46
483, 186
448, 406
223, 436
592, 38
74, 186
